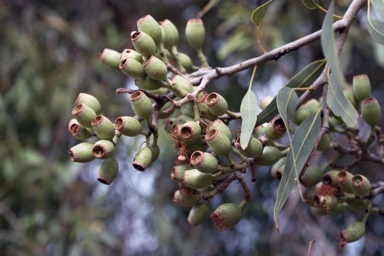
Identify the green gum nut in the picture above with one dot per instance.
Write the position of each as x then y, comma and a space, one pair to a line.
190, 131
358, 205
258, 131
219, 124
195, 33
78, 131
155, 68
361, 87
277, 169
89, 100
131, 54
203, 110
195, 179
198, 214
170, 34
275, 130
187, 199
204, 162
350, 96
151, 27
352, 233
128, 126
360, 185
103, 127
253, 149
226, 216
312, 176
143, 43
110, 58
149, 84
324, 143
103, 149
84, 114
177, 172
218, 142
141, 104
216, 103
155, 149
344, 180
143, 159
322, 211
81, 153
131, 67
269, 156
330, 178
181, 86
185, 61
265, 102
329, 202
371, 111
300, 115
108, 171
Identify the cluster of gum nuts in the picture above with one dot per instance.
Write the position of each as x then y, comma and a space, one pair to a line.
205, 144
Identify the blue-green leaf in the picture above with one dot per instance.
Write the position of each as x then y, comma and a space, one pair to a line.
376, 29
310, 4
378, 5
304, 78
248, 111
302, 144
287, 102
336, 100
258, 13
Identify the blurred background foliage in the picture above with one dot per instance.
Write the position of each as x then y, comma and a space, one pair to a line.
50, 206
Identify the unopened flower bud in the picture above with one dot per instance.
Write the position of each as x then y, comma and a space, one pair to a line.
226, 216
352, 233
204, 162
110, 58
265, 102
90, 101
128, 126
198, 214
254, 148
361, 87
143, 43
195, 33
108, 170
181, 86
84, 114
185, 61
360, 185
170, 34
103, 149
143, 159
149, 84
217, 105
371, 111
103, 127
82, 152
141, 104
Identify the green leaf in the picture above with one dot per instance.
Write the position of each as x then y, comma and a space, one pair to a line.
258, 13
379, 7
248, 111
376, 29
304, 78
310, 4
336, 100
303, 142
287, 102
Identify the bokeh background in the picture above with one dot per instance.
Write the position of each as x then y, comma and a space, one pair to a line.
50, 206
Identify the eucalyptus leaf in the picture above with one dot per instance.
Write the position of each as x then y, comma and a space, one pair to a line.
304, 78
376, 29
309, 4
336, 100
378, 5
258, 13
287, 102
302, 144
248, 110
